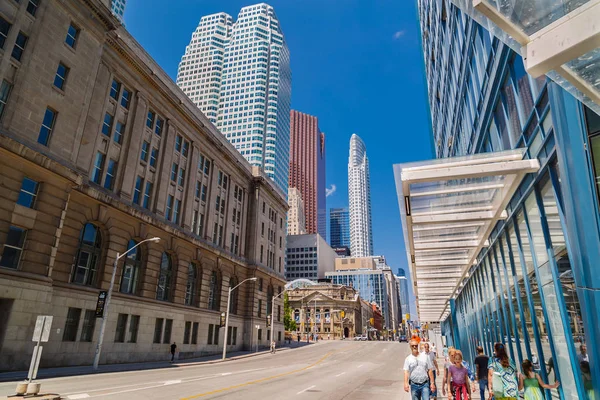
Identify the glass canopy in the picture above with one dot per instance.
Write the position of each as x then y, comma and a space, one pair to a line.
448, 208
557, 38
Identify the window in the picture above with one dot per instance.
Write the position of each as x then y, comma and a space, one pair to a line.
216, 334
192, 284
260, 284
111, 171
107, 124
28, 194
125, 98
203, 194
145, 150
164, 279
89, 323
47, 126
119, 131
213, 292
137, 191
185, 148
61, 76
187, 332
169, 210
120, 331
168, 329
134, 324
98, 168
32, 6
195, 333
71, 324
90, 247
4, 28
233, 305
260, 334
210, 334
147, 194
158, 325
19, 48
174, 169
181, 178
176, 211
150, 119
153, 157
115, 88
72, 35
13, 248
259, 312
4, 93
178, 140
131, 269
159, 126
197, 190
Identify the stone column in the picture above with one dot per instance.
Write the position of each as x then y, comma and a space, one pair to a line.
164, 170
190, 193
133, 152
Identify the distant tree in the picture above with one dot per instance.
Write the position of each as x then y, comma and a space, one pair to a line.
288, 321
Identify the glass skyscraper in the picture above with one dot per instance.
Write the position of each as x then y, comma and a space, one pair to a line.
359, 199
339, 227
502, 231
238, 73
118, 8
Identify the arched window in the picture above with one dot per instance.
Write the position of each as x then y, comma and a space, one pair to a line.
233, 307
131, 269
164, 279
297, 316
88, 255
269, 299
192, 285
214, 292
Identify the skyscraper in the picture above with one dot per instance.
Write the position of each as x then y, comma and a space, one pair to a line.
118, 8
359, 196
296, 219
238, 73
339, 227
307, 169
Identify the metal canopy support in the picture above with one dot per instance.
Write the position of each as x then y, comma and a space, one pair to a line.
449, 208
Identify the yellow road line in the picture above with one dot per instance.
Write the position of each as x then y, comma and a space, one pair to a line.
268, 378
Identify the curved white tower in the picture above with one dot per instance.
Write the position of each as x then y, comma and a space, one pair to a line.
359, 197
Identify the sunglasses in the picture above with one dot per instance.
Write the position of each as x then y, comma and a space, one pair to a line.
415, 346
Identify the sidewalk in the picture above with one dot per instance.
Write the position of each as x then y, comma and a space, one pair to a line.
87, 369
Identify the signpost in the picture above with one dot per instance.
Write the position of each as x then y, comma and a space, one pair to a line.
101, 303
41, 333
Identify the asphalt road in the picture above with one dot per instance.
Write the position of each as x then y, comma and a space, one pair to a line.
327, 370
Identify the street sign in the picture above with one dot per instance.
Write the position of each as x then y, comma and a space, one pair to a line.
100, 304
35, 362
43, 324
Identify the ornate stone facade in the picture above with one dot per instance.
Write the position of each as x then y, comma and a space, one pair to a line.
99, 149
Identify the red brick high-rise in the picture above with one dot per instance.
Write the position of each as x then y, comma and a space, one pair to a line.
307, 169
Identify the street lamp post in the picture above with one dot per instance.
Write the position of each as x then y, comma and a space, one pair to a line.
272, 313
108, 297
231, 289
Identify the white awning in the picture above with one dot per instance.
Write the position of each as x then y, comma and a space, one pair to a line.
449, 207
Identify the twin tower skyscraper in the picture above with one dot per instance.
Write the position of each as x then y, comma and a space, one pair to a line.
238, 74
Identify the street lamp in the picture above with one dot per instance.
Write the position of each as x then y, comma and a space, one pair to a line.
231, 289
272, 313
108, 296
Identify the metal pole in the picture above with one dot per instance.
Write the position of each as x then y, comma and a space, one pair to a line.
273, 318
226, 324
105, 316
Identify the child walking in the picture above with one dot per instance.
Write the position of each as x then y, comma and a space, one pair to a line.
459, 387
531, 382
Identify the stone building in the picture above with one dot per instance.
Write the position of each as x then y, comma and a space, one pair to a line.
99, 150
327, 309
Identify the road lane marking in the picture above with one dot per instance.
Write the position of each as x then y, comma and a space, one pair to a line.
79, 396
268, 378
308, 388
225, 373
340, 374
360, 365
174, 382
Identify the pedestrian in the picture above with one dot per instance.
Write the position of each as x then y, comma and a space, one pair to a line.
502, 375
272, 346
298, 337
418, 374
586, 373
173, 348
445, 352
531, 382
459, 386
436, 371
328, 336
481, 371
583, 355
434, 349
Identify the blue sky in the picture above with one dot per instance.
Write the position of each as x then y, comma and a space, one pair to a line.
357, 65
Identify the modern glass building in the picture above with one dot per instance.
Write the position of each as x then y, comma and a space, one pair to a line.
359, 199
118, 8
339, 227
238, 73
502, 231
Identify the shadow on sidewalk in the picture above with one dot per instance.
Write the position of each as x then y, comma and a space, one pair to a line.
45, 373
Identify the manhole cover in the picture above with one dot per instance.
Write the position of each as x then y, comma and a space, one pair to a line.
379, 382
